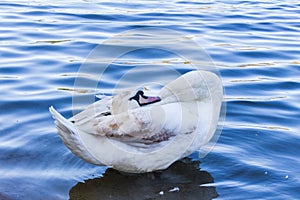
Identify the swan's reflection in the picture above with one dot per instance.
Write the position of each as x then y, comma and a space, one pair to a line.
183, 175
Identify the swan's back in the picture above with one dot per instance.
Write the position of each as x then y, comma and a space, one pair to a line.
193, 86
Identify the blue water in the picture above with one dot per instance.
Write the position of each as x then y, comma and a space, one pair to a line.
255, 46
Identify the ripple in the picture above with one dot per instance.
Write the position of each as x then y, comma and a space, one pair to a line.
254, 44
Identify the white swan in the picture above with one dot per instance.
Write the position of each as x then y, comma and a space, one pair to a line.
136, 133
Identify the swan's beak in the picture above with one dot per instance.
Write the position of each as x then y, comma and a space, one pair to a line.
144, 100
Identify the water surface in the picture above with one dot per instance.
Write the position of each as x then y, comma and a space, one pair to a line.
255, 45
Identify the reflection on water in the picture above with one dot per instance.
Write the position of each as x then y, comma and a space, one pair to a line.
254, 44
182, 180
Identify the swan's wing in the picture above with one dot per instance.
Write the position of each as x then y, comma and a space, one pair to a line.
192, 86
97, 109
147, 125
70, 136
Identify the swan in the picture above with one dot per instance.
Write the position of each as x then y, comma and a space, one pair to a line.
136, 133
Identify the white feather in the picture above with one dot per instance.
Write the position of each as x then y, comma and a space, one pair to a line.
117, 132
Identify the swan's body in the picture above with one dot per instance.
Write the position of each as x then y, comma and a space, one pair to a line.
120, 133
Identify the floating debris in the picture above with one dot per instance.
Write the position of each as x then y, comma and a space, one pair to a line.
175, 189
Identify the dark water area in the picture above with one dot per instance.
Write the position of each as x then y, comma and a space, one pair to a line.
180, 181
255, 46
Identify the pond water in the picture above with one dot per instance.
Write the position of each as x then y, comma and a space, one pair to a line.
255, 46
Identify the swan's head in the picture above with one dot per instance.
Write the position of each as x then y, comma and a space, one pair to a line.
143, 100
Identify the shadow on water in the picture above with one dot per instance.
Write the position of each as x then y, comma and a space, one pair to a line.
182, 180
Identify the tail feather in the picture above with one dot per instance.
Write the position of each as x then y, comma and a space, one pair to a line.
69, 135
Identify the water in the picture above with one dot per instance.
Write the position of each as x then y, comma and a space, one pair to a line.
255, 45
